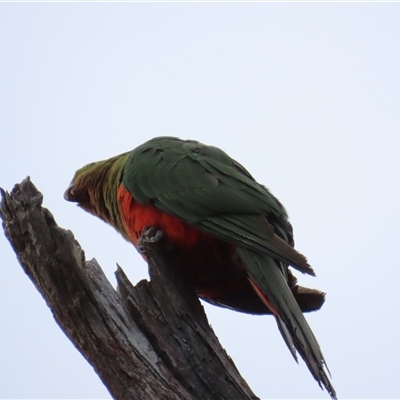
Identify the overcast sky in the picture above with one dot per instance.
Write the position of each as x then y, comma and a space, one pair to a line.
306, 96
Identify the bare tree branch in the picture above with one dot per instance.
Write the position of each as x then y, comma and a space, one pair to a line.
149, 341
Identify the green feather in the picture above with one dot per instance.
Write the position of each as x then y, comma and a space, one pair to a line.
204, 187
266, 272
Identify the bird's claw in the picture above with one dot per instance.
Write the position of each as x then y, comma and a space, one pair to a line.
148, 235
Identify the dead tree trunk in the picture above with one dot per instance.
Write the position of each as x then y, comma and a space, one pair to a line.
149, 341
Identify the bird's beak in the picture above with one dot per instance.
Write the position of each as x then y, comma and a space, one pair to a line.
69, 194
76, 194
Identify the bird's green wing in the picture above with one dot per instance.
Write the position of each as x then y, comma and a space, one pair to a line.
206, 188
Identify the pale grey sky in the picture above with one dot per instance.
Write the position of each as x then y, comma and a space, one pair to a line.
306, 96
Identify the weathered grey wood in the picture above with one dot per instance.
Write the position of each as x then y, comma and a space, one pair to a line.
149, 341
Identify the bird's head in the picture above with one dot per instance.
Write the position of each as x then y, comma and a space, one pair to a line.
84, 187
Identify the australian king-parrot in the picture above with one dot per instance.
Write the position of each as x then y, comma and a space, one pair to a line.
232, 233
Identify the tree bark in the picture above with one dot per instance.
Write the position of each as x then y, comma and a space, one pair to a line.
149, 341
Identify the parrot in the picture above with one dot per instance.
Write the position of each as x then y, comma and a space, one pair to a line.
232, 233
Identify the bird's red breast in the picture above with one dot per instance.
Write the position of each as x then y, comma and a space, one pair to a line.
136, 217
211, 265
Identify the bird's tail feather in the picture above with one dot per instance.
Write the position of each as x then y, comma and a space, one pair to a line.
269, 283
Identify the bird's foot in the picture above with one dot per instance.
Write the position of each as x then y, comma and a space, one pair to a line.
148, 235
